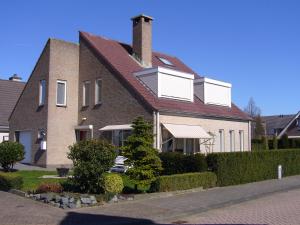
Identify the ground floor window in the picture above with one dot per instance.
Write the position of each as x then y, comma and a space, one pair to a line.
82, 135
183, 145
241, 137
116, 137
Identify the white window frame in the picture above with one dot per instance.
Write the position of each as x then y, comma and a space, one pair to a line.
65, 94
222, 140
41, 89
242, 140
232, 140
84, 93
97, 89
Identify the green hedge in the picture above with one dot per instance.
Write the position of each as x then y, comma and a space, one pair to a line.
10, 181
244, 167
177, 163
185, 181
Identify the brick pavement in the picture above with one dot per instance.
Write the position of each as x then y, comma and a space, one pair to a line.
187, 207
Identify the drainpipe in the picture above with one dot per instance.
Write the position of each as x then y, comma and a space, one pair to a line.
157, 131
249, 136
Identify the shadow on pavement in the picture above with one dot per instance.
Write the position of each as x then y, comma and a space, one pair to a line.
73, 218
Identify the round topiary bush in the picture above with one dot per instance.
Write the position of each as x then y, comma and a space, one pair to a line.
113, 183
10, 153
91, 158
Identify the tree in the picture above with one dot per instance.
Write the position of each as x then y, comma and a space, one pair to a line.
259, 129
91, 158
275, 142
10, 153
141, 154
252, 109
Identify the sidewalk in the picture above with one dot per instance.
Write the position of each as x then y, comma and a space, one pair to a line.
164, 209
178, 206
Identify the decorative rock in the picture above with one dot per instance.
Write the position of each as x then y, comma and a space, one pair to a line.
71, 200
78, 204
114, 199
64, 200
93, 199
72, 205
57, 198
37, 197
85, 200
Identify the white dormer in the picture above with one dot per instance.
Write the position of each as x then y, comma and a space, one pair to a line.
168, 83
213, 92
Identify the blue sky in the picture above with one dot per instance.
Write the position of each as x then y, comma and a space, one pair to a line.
254, 44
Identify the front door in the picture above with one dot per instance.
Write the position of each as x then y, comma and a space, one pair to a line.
25, 140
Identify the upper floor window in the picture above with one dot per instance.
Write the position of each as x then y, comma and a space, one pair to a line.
61, 93
222, 143
42, 92
86, 93
165, 61
98, 91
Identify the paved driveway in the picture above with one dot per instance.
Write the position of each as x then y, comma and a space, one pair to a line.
275, 201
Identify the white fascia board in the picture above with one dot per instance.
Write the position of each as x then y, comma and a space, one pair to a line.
212, 81
84, 127
165, 71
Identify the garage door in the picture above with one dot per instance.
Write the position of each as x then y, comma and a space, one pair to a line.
25, 140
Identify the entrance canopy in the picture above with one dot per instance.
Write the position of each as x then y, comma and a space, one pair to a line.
186, 131
117, 127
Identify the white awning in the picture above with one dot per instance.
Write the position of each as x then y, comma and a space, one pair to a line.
186, 131
117, 127
84, 127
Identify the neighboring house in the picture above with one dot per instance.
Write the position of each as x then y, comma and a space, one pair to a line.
10, 91
97, 88
279, 125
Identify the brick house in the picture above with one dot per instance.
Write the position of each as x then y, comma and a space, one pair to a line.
98, 87
10, 91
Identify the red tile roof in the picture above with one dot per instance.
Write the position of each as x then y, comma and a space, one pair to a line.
118, 56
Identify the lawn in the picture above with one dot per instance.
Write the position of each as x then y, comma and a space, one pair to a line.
32, 179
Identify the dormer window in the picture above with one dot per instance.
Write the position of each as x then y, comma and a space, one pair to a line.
165, 61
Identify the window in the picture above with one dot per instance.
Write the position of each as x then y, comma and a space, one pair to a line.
61, 93
42, 92
98, 91
86, 93
232, 141
165, 61
221, 134
241, 134
17, 136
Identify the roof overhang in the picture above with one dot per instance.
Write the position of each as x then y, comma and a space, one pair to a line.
117, 127
288, 125
186, 131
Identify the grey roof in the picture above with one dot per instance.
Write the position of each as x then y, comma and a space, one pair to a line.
276, 122
9, 95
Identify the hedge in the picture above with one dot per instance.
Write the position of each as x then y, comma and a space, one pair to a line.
244, 167
178, 163
10, 181
184, 181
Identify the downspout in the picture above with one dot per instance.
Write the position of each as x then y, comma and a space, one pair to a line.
249, 136
157, 131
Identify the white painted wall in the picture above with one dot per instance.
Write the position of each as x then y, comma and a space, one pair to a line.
214, 126
2, 135
167, 83
213, 92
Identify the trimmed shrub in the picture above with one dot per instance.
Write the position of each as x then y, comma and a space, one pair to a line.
113, 183
244, 167
91, 158
175, 163
10, 181
49, 187
10, 153
184, 181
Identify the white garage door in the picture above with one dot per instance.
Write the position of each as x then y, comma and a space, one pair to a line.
25, 140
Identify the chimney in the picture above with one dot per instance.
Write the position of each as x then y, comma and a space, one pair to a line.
15, 77
142, 39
